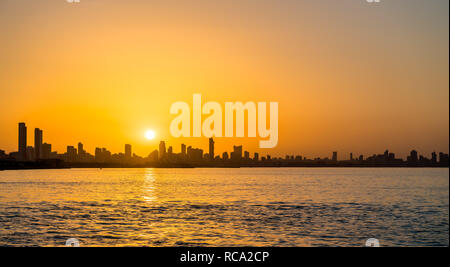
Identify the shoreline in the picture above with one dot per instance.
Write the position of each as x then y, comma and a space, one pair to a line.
211, 167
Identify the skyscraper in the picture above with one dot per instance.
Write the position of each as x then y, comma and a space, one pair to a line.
71, 154
434, 157
183, 149
127, 151
22, 141
80, 149
37, 143
46, 150
162, 149
334, 156
413, 156
98, 155
236, 155
246, 155
211, 148
225, 155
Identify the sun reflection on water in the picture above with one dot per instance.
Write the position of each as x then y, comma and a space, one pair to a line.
148, 193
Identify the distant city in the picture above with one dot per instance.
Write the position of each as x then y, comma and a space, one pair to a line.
41, 156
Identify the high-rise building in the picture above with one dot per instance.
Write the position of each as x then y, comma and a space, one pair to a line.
154, 155
443, 158
37, 143
106, 154
127, 151
46, 150
246, 155
183, 149
194, 154
413, 156
256, 156
30, 153
225, 155
162, 149
211, 148
22, 141
335, 156
80, 149
71, 154
434, 157
98, 155
236, 155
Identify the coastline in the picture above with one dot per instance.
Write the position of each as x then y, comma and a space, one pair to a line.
65, 165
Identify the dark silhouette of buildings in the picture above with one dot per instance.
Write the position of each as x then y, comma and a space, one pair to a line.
413, 156
335, 156
22, 141
42, 156
236, 155
443, 158
183, 149
211, 148
46, 151
128, 151
37, 143
162, 149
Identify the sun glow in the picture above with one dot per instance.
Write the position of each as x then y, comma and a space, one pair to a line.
150, 134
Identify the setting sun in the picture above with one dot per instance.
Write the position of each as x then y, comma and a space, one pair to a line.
150, 134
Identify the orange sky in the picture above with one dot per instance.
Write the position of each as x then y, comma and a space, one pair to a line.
349, 76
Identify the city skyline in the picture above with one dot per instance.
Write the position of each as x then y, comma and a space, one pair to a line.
196, 156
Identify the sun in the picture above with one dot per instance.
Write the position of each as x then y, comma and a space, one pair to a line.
150, 134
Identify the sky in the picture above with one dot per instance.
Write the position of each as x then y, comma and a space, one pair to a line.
349, 76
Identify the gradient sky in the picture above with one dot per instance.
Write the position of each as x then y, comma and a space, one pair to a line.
349, 76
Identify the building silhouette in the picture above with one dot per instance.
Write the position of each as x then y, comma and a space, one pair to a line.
413, 158
46, 151
443, 158
162, 149
183, 149
22, 141
31, 154
41, 154
236, 155
127, 151
37, 143
225, 156
81, 150
211, 148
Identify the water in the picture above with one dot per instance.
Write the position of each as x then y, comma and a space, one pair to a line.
225, 207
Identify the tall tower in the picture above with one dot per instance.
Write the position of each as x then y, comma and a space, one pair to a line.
334, 156
127, 151
162, 149
80, 149
37, 142
22, 141
183, 149
211, 148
